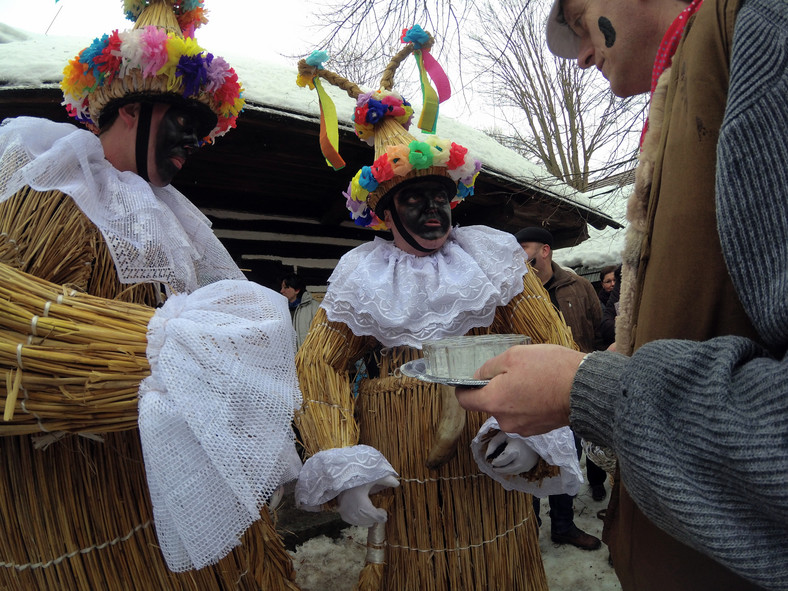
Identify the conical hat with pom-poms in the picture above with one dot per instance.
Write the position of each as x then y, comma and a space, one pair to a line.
159, 58
382, 119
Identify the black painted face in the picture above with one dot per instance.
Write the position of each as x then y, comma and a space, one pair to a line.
424, 209
606, 28
176, 138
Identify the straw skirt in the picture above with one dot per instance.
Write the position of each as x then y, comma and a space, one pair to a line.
76, 514
450, 528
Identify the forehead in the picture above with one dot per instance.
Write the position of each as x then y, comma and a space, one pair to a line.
425, 187
571, 10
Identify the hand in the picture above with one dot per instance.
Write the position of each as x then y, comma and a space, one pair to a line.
510, 455
356, 508
529, 388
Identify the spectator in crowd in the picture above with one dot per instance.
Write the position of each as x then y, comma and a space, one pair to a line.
575, 297
693, 401
610, 311
607, 279
303, 306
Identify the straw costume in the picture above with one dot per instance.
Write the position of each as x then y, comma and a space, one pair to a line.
90, 501
444, 525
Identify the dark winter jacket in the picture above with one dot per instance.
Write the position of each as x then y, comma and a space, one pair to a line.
580, 306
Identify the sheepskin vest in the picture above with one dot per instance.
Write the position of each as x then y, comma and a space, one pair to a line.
674, 280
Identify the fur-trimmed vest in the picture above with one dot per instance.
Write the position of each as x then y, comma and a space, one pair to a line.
674, 280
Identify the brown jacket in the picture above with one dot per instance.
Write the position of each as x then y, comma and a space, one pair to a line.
579, 304
675, 283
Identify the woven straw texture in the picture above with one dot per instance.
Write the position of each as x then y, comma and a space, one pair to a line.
450, 527
76, 515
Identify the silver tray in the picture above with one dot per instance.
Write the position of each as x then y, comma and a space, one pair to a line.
419, 369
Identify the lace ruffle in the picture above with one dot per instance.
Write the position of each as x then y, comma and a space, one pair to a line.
401, 299
154, 234
331, 471
556, 447
215, 416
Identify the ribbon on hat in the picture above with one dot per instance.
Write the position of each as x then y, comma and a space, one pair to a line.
429, 68
329, 124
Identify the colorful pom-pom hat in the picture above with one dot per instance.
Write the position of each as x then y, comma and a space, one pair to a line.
382, 119
158, 58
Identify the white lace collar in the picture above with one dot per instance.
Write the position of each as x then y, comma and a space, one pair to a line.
378, 289
154, 234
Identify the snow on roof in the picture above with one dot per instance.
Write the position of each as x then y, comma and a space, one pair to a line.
603, 247
29, 60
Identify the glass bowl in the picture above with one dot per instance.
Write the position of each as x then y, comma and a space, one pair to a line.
460, 357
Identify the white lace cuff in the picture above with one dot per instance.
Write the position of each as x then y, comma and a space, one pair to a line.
331, 471
556, 447
215, 416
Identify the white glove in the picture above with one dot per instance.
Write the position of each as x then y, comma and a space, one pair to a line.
356, 508
510, 455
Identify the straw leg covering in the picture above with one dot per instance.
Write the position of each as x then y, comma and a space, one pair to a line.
451, 528
76, 515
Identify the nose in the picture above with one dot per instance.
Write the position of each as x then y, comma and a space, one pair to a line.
585, 54
190, 140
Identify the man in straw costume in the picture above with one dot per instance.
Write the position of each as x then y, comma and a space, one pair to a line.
97, 214
437, 522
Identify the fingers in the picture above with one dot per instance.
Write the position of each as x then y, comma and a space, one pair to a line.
389, 481
496, 446
369, 515
497, 365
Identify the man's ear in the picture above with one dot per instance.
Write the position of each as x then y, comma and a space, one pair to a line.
129, 114
387, 218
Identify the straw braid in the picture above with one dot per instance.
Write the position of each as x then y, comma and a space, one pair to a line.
322, 363
387, 81
309, 72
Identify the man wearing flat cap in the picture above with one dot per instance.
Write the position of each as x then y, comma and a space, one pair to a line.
575, 297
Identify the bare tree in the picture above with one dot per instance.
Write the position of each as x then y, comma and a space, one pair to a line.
551, 111
554, 113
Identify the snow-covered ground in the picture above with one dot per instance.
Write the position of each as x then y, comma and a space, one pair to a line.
323, 563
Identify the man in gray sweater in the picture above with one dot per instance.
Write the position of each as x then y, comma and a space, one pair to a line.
695, 407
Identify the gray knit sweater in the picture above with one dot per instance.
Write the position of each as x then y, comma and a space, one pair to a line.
701, 428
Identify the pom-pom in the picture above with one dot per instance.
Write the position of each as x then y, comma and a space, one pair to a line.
367, 179
456, 156
382, 170
441, 150
420, 155
316, 59
415, 35
399, 156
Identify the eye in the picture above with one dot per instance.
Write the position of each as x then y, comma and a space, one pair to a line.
441, 196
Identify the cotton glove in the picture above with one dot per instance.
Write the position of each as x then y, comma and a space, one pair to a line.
355, 506
510, 455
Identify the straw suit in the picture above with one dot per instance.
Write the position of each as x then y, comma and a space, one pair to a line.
89, 500
446, 524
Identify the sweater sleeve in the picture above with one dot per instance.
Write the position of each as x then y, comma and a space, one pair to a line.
699, 428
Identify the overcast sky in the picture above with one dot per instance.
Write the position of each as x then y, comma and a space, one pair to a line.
230, 33
238, 26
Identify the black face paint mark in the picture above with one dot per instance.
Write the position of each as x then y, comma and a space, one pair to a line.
607, 30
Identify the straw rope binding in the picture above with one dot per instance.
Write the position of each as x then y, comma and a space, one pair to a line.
68, 361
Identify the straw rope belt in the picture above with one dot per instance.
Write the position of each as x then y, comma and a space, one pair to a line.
13, 386
332, 329
468, 547
59, 559
443, 478
328, 404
